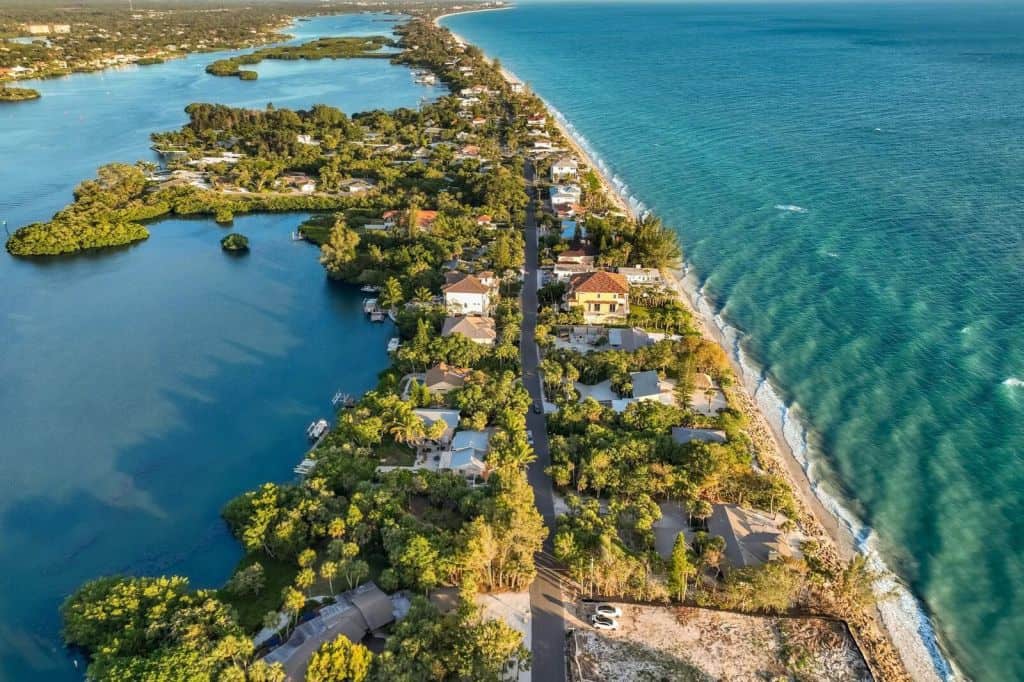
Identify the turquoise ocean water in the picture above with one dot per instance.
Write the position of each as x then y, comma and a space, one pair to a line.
141, 388
848, 182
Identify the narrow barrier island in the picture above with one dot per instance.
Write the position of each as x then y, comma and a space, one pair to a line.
537, 330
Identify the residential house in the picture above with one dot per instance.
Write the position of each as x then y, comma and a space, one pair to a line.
516, 87
564, 195
563, 272
640, 276
449, 417
682, 435
477, 329
443, 377
537, 120
353, 614
424, 219
751, 537
584, 255
356, 186
299, 181
542, 146
484, 221
646, 385
467, 295
565, 168
602, 296
307, 139
468, 454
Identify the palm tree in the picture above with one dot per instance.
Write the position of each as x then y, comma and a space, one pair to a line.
406, 427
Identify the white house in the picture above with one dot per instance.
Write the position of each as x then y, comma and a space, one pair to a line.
641, 276
565, 168
467, 295
565, 195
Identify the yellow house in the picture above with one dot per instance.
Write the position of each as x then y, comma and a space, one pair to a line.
602, 296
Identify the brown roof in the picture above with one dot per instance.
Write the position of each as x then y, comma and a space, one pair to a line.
600, 282
423, 218
469, 284
470, 327
443, 373
585, 250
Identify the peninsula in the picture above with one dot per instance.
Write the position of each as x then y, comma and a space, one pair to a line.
554, 420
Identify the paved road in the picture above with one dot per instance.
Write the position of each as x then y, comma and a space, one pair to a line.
546, 600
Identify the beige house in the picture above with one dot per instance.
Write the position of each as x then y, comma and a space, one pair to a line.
443, 378
477, 329
602, 296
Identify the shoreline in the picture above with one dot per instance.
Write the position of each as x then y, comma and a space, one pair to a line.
905, 638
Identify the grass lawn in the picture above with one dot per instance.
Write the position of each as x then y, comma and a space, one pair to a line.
395, 454
252, 607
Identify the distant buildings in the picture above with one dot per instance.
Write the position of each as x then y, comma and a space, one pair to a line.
603, 297
47, 29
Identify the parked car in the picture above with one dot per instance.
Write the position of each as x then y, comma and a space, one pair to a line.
608, 611
603, 622
529, 436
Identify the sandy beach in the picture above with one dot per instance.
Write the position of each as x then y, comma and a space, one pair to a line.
889, 631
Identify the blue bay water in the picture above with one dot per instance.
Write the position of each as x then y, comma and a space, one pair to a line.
141, 388
847, 180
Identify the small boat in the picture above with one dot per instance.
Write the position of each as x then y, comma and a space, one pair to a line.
378, 316
393, 344
297, 237
369, 289
341, 400
369, 305
317, 429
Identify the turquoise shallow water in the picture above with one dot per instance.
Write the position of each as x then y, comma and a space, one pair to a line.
141, 388
848, 183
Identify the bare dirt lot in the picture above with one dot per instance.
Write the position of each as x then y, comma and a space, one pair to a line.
684, 644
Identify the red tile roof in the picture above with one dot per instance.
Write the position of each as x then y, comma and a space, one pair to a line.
600, 282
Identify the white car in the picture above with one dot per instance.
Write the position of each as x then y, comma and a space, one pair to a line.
608, 611
529, 436
603, 622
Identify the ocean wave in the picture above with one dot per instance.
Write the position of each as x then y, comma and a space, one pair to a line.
903, 612
1013, 382
792, 208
